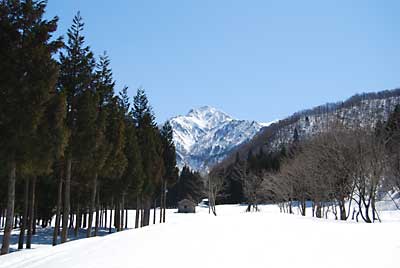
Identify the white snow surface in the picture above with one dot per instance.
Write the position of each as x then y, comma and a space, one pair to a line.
206, 135
232, 239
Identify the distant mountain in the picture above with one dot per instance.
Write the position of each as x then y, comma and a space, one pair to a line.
205, 136
362, 109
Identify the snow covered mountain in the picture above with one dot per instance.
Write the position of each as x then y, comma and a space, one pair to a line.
206, 135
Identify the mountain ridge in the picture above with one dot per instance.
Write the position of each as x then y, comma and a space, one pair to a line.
360, 109
205, 135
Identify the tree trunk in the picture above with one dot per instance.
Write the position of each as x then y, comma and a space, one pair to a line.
137, 216
78, 219
126, 218
165, 200
318, 210
67, 199
105, 216
92, 205
290, 206
58, 210
117, 216
96, 228
84, 224
111, 209
142, 205
71, 220
122, 210
21, 239
161, 202
101, 217
303, 207
35, 221
31, 213
5, 247
154, 211
342, 210
146, 213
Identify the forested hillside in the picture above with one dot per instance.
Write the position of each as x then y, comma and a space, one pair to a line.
362, 109
340, 157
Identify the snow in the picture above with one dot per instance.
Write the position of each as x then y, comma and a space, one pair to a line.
232, 239
207, 135
269, 123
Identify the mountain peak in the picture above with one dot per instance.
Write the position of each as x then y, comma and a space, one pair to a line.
206, 134
208, 112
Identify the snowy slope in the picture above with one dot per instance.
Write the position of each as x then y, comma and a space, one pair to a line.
232, 239
206, 135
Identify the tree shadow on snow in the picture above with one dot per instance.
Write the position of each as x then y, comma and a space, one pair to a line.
44, 236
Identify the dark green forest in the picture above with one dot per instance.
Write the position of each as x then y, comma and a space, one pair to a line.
72, 146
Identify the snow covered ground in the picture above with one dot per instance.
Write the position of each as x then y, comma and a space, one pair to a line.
232, 239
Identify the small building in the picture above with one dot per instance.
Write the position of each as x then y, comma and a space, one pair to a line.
186, 206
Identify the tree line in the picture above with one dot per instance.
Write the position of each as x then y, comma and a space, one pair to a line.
343, 170
70, 147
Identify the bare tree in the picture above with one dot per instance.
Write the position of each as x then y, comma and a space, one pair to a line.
215, 184
370, 171
253, 190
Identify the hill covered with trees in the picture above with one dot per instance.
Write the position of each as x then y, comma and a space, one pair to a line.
338, 157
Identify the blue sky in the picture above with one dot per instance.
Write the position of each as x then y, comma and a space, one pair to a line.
256, 59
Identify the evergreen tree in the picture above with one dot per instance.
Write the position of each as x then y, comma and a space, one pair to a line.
117, 160
132, 181
48, 148
391, 132
104, 89
27, 78
77, 148
170, 170
392, 128
88, 149
295, 135
189, 186
151, 150
76, 77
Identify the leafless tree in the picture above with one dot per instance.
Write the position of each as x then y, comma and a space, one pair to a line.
253, 189
369, 173
215, 184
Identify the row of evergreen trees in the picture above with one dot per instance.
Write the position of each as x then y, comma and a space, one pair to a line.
190, 185
69, 146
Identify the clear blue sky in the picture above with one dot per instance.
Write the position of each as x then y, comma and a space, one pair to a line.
255, 59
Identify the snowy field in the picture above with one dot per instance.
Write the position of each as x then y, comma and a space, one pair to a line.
232, 239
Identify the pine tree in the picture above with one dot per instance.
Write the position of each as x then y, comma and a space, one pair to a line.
189, 186
27, 77
48, 148
87, 137
170, 170
392, 129
132, 181
151, 150
104, 87
116, 160
295, 136
76, 77
391, 133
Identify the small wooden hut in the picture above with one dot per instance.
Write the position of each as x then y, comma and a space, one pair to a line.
186, 206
